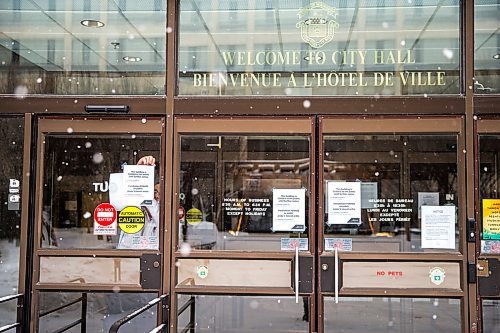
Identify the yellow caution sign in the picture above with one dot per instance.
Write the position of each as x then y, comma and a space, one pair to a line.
193, 216
131, 219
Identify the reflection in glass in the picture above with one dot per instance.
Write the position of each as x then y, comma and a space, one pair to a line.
319, 48
381, 315
397, 175
491, 321
486, 47
102, 310
76, 180
11, 155
82, 47
489, 191
228, 314
226, 190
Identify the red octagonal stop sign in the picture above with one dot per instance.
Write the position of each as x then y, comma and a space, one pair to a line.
105, 214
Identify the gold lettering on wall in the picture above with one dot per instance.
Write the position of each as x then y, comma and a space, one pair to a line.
314, 57
319, 79
289, 77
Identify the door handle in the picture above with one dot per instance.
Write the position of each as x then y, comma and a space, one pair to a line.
297, 274
336, 275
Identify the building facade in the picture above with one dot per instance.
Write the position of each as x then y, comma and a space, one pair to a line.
264, 165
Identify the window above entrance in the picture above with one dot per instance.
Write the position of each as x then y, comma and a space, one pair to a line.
319, 48
486, 48
82, 47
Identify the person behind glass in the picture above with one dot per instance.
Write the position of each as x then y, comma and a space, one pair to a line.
148, 237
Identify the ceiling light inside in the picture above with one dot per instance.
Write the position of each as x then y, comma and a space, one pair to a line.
92, 23
496, 56
132, 59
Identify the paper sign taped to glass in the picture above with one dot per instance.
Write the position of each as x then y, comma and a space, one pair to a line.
438, 227
289, 209
133, 187
342, 244
344, 202
490, 246
289, 244
491, 219
138, 242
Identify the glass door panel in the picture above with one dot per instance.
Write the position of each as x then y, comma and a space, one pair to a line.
102, 310
391, 241
244, 190
392, 314
244, 314
488, 215
395, 176
99, 221
227, 187
79, 175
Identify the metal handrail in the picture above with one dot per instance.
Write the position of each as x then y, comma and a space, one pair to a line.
158, 329
192, 315
163, 298
4, 299
82, 321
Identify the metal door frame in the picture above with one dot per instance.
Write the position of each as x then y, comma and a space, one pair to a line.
240, 126
92, 125
419, 125
485, 125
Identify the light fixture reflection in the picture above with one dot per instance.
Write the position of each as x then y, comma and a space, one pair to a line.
92, 23
132, 59
496, 56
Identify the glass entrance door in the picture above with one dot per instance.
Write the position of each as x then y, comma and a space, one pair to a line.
99, 222
243, 259
488, 216
372, 207
390, 238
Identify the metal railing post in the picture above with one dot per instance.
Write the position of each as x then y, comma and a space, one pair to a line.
84, 313
20, 314
192, 315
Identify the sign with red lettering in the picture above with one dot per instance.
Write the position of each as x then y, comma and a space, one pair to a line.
390, 273
105, 219
181, 213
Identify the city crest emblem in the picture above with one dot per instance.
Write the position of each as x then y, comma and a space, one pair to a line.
317, 24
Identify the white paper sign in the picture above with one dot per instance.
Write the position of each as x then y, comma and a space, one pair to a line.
438, 227
289, 209
138, 183
133, 187
344, 202
115, 191
427, 199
